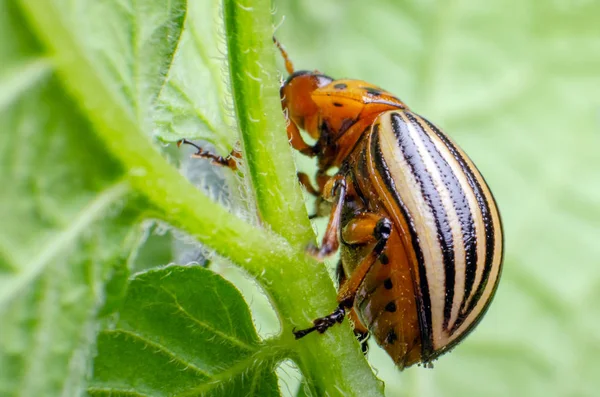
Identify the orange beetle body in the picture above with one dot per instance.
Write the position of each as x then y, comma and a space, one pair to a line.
419, 231
335, 112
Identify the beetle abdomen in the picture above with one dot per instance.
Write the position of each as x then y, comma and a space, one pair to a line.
448, 221
385, 303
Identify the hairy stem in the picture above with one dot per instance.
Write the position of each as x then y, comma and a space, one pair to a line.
331, 363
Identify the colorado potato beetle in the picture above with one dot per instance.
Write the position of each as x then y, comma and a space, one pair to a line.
419, 232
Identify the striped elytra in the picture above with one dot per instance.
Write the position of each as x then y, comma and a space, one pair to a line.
447, 216
418, 229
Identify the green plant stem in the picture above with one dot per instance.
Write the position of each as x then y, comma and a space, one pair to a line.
251, 54
255, 86
299, 288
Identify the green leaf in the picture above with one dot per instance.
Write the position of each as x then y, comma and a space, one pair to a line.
69, 219
516, 83
130, 44
64, 226
185, 331
304, 390
193, 102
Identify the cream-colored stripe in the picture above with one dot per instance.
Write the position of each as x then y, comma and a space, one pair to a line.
424, 221
476, 213
459, 247
497, 259
475, 210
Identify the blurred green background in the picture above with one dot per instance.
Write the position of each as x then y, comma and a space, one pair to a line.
517, 84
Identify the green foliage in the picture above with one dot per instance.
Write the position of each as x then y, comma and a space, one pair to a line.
183, 331
84, 87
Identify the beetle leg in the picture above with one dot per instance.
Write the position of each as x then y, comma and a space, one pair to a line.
297, 142
380, 230
335, 191
368, 227
360, 331
322, 324
305, 182
360, 229
229, 161
317, 192
322, 179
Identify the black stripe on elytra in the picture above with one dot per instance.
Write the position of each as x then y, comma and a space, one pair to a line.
487, 222
420, 286
460, 204
432, 198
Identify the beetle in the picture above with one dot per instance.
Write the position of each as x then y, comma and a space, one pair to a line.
418, 229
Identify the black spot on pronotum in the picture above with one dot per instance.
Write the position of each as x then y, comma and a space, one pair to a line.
337, 104
383, 258
391, 337
387, 283
390, 307
373, 91
340, 86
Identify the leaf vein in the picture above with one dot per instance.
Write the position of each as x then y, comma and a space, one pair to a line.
111, 390
208, 327
13, 85
161, 347
266, 353
199, 114
63, 239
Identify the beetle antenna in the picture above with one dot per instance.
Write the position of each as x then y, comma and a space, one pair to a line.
186, 142
288, 64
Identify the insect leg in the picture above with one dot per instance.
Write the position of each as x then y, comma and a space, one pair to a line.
297, 142
362, 230
322, 179
321, 207
310, 189
305, 182
229, 161
322, 324
335, 191
360, 331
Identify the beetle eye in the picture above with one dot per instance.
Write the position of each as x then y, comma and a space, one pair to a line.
323, 80
294, 75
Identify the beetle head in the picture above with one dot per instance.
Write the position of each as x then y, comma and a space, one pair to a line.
296, 95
